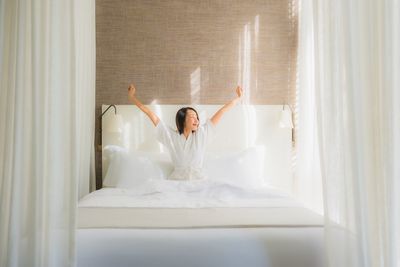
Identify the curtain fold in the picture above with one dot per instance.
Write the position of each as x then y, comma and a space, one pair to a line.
308, 181
46, 127
85, 67
356, 68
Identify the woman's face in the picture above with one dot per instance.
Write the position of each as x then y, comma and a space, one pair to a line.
191, 121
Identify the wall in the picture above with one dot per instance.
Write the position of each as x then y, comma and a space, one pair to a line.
195, 52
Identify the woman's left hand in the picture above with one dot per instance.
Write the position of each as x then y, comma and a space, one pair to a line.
239, 91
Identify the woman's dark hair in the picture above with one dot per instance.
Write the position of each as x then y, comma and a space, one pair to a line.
181, 116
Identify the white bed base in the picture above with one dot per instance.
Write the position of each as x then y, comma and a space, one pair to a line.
238, 247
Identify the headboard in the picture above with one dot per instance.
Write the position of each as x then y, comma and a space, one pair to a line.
241, 127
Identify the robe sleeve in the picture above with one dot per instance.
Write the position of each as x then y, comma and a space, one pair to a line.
208, 131
164, 133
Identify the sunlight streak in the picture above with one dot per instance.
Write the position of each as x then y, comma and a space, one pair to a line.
256, 37
195, 87
157, 110
240, 78
245, 48
126, 134
246, 63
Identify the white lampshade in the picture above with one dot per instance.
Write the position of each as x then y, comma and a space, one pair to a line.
286, 118
114, 124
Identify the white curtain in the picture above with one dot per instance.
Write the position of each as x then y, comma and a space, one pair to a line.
356, 68
47, 56
308, 181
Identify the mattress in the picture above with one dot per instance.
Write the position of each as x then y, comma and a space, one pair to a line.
194, 207
102, 217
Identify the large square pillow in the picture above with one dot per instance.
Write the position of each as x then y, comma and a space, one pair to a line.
243, 169
126, 170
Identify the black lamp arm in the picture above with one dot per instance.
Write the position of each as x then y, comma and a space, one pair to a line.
283, 107
115, 110
100, 124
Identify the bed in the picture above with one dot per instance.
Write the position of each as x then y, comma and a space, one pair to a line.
243, 214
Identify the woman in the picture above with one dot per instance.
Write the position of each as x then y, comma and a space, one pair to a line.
186, 145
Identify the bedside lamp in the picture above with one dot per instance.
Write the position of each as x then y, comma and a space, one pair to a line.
286, 118
112, 125
115, 124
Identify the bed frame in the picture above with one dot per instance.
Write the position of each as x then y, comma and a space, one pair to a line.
235, 237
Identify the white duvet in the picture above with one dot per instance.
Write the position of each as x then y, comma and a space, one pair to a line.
187, 194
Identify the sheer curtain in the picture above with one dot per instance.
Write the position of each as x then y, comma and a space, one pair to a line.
47, 56
356, 68
308, 181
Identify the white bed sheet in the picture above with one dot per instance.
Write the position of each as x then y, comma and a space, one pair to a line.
188, 194
190, 204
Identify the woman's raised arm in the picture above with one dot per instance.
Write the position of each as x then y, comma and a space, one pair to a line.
132, 97
217, 116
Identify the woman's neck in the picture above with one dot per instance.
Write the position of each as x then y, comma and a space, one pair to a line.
186, 133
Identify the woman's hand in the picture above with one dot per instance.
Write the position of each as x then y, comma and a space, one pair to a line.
131, 91
131, 94
217, 116
239, 91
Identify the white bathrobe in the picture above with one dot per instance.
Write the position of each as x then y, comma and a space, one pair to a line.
187, 154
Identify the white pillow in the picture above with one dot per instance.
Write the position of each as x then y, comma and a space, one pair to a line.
161, 160
127, 170
242, 169
109, 152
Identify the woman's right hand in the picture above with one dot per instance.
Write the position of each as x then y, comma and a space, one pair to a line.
239, 91
131, 94
131, 91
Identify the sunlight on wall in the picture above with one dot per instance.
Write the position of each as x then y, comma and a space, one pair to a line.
156, 109
251, 125
246, 63
245, 50
256, 37
195, 78
126, 136
239, 75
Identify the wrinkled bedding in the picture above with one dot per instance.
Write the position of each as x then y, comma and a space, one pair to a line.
187, 194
